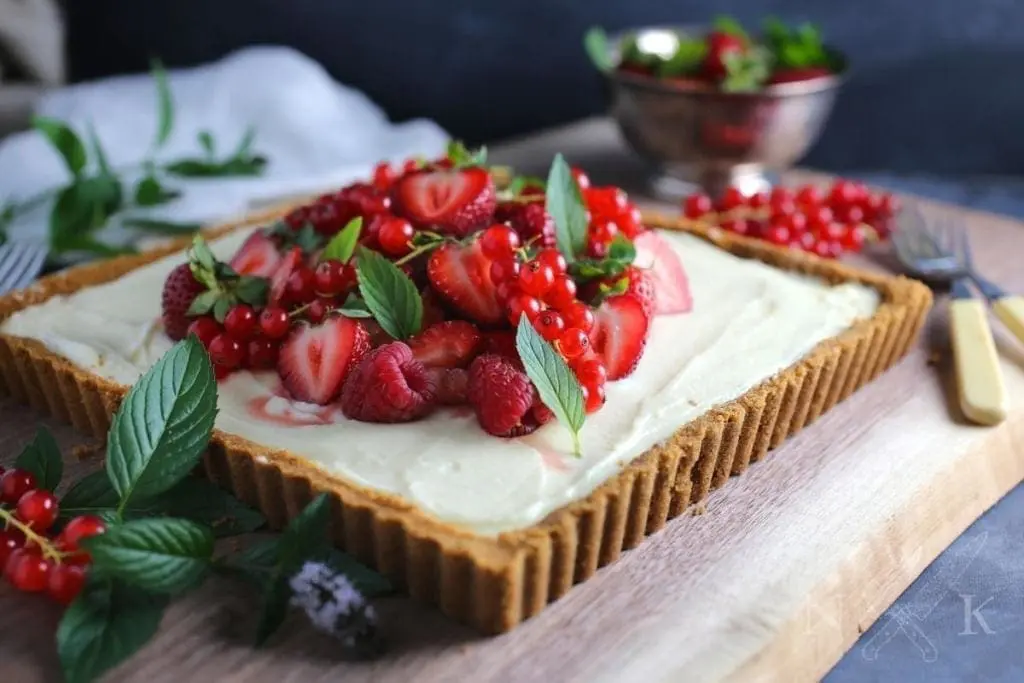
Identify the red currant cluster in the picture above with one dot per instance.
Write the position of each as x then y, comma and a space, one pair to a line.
540, 288
827, 224
330, 213
34, 560
245, 340
611, 215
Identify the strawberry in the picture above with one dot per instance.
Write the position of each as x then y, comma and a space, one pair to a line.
315, 360
180, 290
450, 344
796, 74
671, 286
258, 256
461, 274
451, 202
720, 46
620, 334
279, 280
640, 284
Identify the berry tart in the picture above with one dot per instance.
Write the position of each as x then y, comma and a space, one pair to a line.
502, 384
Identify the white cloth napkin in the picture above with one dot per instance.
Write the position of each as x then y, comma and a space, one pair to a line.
315, 132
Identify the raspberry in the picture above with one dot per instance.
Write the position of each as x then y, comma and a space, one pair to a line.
388, 386
531, 221
502, 397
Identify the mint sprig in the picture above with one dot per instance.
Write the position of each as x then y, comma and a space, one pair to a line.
687, 59
555, 382
565, 204
43, 459
595, 42
389, 294
747, 71
463, 157
224, 287
621, 254
796, 48
343, 245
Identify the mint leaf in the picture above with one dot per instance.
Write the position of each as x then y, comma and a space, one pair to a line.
354, 307
149, 192
204, 502
595, 42
746, 71
367, 581
730, 26
102, 164
687, 59
205, 139
161, 555
90, 495
65, 141
565, 204
556, 384
164, 424
343, 245
244, 148
161, 227
164, 103
461, 157
43, 459
523, 182
389, 294
82, 207
201, 168
104, 626
622, 249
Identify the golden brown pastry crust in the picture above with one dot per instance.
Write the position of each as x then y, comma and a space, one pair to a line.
495, 583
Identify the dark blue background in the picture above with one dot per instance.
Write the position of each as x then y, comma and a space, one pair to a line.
935, 84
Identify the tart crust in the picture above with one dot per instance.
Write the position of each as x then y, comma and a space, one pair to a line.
493, 584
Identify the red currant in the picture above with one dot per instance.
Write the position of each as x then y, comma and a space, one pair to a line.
888, 205
395, 236
843, 192
505, 270
807, 241
38, 509
835, 248
552, 258
630, 222
523, 304
853, 238
317, 311
796, 222
808, 197
550, 324
605, 201
597, 249
832, 231
562, 292
65, 582
736, 225
758, 200
410, 165
731, 199
582, 179
603, 230
301, 286
241, 322
781, 205
226, 351
573, 343
593, 397
262, 354
82, 526
777, 233
822, 249
331, 277
15, 484
697, 205
578, 315
850, 213
499, 241
274, 322
27, 570
590, 371
10, 540
780, 193
818, 217
536, 278
205, 328
383, 176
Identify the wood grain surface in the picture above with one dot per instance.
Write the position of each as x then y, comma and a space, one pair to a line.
773, 581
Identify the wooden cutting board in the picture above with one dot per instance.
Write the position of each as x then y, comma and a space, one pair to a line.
773, 580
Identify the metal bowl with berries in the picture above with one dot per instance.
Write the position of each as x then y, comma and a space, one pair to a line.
717, 106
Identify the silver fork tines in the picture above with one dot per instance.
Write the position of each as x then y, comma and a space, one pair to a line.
20, 263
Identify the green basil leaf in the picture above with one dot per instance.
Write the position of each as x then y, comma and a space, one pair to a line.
43, 459
65, 141
104, 626
161, 227
565, 204
164, 424
595, 42
204, 502
343, 245
149, 192
164, 103
389, 294
206, 142
161, 555
556, 384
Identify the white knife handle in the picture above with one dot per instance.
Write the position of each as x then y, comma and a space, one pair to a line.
978, 373
1010, 309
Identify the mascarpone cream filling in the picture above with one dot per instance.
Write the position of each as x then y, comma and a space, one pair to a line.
748, 322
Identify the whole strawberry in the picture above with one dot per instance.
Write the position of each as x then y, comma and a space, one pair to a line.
389, 386
502, 397
180, 289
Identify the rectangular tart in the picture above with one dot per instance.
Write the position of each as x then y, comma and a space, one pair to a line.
494, 581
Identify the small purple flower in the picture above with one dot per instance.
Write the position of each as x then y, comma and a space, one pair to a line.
336, 607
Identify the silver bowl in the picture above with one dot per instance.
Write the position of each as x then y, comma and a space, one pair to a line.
694, 134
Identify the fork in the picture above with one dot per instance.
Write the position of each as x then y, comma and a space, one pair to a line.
942, 253
20, 263
1009, 308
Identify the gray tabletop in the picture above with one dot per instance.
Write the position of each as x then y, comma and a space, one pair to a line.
975, 629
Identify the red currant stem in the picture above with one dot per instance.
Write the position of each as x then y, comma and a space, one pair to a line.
300, 310
418, 251
44, 543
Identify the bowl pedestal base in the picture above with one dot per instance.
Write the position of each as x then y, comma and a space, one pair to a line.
672, 183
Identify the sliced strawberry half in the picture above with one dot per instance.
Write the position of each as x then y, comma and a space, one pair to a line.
452, 202
461, 274
619, 334
450, 344
279, 280
258, 256
671, 286
315, 360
